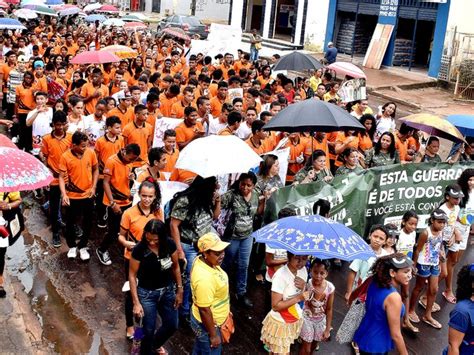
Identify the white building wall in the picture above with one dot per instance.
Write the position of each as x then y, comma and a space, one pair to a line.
214, 10
316, 21
460, 16
236, 20
180, 7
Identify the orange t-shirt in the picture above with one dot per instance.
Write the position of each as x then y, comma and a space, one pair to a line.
365, 143
216, 106
341, 138
41, 84
312, 144
138, 135
88, 90
225, 132
145, 174
296, 150
25, 99
152, 117
5, 69
177, 109
53, 148
185, 133
134, 221
212, 89
184, 176
77, 173
166, 104
171, 160
119, 173
105, 148
262, 149
125, 117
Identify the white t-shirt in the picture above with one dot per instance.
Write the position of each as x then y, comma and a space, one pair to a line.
453, 214
40, 127
78, 126
244, 131
406, 242
284, 284
278, 254
384, 125
215, 126
94, 128
362, 267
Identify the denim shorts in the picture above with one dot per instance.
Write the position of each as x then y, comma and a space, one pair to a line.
427, 270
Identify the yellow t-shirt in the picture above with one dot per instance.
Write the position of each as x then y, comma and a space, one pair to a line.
12, 196
210, 287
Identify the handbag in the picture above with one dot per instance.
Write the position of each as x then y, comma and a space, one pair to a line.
258, 46
16, 222
356, 313
227, 328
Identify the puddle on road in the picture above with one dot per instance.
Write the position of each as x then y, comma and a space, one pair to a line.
67, 333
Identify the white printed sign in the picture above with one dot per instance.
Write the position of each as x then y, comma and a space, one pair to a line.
161, 125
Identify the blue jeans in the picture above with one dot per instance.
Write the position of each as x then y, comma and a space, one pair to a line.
253, 54
240, 248
202, 344
160, 301
190, 253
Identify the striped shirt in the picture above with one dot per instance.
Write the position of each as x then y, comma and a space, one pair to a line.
14, 79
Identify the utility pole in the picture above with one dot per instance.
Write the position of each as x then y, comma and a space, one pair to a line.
193, 7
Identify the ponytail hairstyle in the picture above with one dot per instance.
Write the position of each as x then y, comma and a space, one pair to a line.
152, 183
406, 217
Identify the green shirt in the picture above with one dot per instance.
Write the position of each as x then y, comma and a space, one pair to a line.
381, 159
303, 173
194, 223
244, 212
344, 170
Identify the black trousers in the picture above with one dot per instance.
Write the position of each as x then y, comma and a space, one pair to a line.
128, 300
79, 208
3, 251
113, 224
54, 206
99, 205
26, 133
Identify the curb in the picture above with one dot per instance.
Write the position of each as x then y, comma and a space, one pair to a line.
394, 99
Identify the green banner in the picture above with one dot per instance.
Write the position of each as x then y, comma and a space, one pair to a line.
378, 195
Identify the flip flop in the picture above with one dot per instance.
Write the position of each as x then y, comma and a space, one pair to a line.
434, 323
355, 347
410, 327
451, 299
162, 350
436, 307
413, 317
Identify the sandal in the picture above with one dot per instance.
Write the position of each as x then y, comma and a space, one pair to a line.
413, 317
162, 350
436, 307
355, 347
410, 327
433, 322
450, 299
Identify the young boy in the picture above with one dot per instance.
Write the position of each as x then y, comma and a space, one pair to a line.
106, 146
77, 182
54, 145
139, 132
40, 118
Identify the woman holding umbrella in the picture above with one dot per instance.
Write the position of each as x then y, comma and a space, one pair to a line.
314, 170
430, 154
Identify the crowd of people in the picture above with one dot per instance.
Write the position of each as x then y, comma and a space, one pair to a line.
93, 127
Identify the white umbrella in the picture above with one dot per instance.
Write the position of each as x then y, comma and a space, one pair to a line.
32, 2
217, 155
113, 22
25, 13
92, 7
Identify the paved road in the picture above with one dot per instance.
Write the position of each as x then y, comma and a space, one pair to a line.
79, 305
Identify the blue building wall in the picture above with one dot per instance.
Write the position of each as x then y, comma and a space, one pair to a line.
438, 41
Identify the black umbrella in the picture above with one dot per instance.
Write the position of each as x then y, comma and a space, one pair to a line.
313, 116
297, 61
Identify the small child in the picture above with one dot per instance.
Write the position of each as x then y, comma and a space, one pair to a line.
426, 259
317, 310
406, 243
392, 239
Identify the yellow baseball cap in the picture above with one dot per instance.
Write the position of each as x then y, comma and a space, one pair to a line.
211, 241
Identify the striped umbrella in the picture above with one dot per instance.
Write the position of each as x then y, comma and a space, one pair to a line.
344, 68
122, 52
11, 24
433, 125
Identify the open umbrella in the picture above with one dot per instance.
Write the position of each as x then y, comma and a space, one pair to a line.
41, 9
95, 57
54, 2
465, 124
20, 171
107, 8
131, 26
313, 116
4, 5
113, 22
314, 235
297, 61
25, 13
95, 17
69, 11
122, 52
6, 142
217, 155
176, 32
92, 7
434, 125
14, 2
32, 2
131, 18
11, 24
344, 68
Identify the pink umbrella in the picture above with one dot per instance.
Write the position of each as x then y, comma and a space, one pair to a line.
4, 5
95, 57
6, 142
135, 26
344, 68
107, 8
20, 171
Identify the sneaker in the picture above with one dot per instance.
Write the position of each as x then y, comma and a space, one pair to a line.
56, 240
244, 301
84, 254
78, 231
104, 257
102, 223
72, 253
15, 139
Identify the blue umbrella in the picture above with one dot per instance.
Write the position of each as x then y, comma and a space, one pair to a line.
314, 235
465, 124
11, 24
94, 18
54, 2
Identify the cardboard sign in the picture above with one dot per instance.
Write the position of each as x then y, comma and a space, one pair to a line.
161, 125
